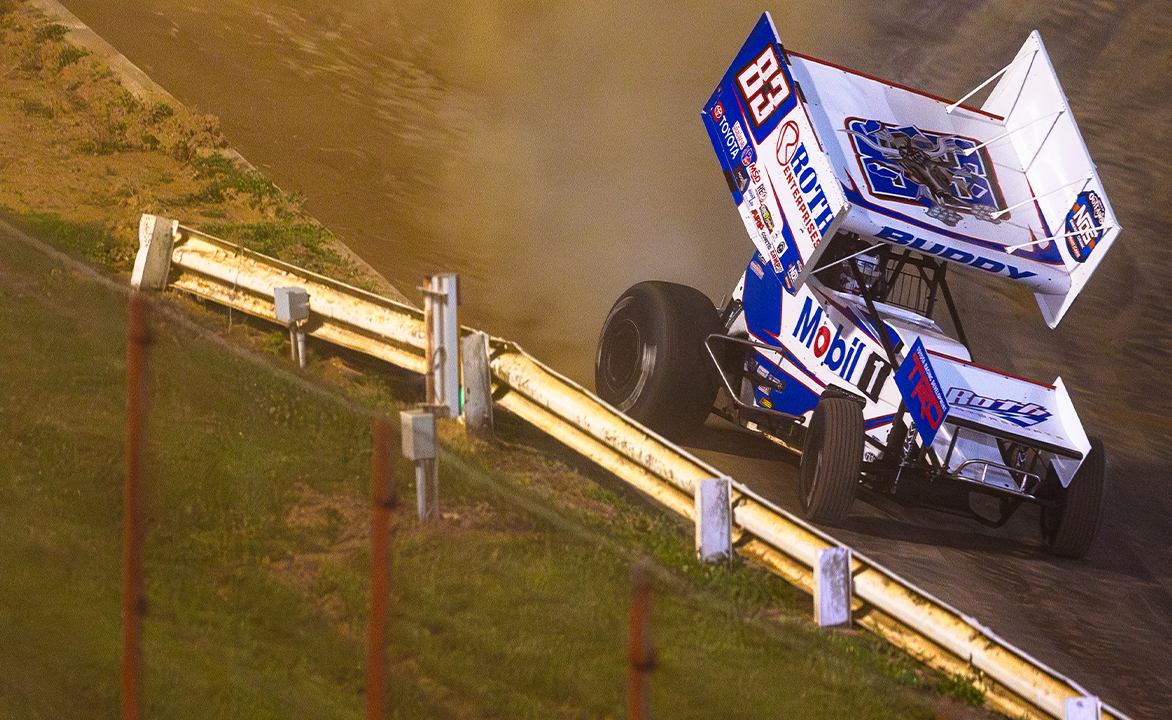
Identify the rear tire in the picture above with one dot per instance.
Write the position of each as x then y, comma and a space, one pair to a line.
832, 460
652, 363
1070, 527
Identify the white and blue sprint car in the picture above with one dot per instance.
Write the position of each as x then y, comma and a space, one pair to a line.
858, 195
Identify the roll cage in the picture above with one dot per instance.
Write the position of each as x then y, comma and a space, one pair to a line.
883, 273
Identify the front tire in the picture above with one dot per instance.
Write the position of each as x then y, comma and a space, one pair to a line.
832, 460
1070, 528
652, 363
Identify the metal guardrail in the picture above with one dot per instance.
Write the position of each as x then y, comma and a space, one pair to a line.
884, 603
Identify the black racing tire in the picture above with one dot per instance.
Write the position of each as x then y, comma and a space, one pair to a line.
652, 363
1070, 528
832, 460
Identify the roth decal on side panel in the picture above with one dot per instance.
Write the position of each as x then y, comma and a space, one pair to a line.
1020, 414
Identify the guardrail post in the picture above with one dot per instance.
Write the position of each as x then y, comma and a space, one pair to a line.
477, 385
418, 428
1083, 708
156, 235
441, 317
292, 306
832, 587
714, 520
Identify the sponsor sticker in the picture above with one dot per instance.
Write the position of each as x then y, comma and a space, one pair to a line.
739, 134
1021, 414
1084, 225
740, 178
925, 401
953, 254
767, 217
906, 164
811, 212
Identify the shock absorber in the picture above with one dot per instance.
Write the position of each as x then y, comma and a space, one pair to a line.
900, 442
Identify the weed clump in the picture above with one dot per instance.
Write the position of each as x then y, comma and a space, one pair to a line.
50, 33
962, 689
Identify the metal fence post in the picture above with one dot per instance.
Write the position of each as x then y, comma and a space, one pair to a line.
640, 653
477, 385
1083, 708
152, 263
133, 601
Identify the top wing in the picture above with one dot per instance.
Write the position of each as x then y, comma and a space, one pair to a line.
1009, 189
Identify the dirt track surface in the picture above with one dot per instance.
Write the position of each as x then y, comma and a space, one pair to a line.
554, 157
1103, 621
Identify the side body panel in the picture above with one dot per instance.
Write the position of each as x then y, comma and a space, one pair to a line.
823, 338
780, 178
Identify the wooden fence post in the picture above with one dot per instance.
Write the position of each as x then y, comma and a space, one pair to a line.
133, 602
640, 653
384, 498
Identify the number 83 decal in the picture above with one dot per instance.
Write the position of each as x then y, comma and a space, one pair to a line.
763, 85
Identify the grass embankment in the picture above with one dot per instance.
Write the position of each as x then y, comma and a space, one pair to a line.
513, 606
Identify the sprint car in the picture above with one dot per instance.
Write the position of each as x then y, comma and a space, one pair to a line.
858, 196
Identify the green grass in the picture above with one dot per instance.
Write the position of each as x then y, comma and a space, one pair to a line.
222, 174
89, 240
120, 148
304, 244
515, 606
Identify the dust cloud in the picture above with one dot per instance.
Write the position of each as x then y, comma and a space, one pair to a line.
551, 153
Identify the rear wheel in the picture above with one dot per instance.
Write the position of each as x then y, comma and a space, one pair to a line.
832, 460
1070, 527
652, 363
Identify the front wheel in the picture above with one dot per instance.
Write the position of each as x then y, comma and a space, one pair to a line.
652, 363
1070, 527
832, 460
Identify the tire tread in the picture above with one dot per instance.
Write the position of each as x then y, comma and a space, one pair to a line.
1082, 506
836, 431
